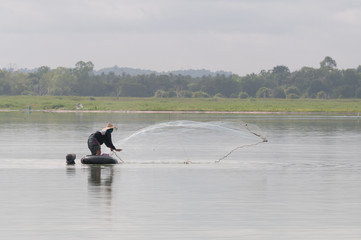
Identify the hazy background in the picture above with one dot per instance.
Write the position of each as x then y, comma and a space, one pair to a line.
242, 36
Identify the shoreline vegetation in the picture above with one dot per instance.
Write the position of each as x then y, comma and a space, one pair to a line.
325, 82
180, 105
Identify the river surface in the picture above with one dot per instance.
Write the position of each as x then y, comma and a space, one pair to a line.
185, 176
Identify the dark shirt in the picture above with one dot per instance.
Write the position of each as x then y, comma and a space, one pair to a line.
104, 137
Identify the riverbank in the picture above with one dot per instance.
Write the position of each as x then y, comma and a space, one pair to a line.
179, 105
181, 112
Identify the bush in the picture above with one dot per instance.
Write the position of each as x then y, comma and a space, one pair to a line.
200, 94
57, 106
160, 94
264, 92
26, 92
292, 96
164, 94
185, 94
321, 95
219, 95
292, 90
243, 95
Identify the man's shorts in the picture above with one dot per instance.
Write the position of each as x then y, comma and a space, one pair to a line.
93, 145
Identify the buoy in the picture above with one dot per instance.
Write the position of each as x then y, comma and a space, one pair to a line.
70, 158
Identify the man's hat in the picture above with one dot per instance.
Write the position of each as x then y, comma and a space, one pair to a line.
109, 126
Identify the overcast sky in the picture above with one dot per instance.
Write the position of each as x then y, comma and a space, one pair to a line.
242, 36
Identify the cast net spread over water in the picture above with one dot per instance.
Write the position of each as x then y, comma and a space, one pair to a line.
189, 142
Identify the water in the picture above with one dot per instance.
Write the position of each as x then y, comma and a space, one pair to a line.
304, 183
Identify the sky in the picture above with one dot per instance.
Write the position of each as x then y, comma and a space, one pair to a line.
240, 36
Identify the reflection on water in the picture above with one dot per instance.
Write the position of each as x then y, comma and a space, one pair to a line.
100, 181
70, 170
101, 175
302, 184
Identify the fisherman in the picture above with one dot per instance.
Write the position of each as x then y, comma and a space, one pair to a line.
103, 136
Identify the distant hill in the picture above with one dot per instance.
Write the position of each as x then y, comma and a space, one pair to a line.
124, 70
24, 70
199, 73
135, 71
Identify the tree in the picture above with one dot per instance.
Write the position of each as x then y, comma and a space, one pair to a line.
332, 78
350, 77
180, 85
82, 67
61, 82
328, 63
38, 82
303, 78
279, 82
358, 93
344, 91
250, 84
83, 70
17, 82
315, 87
5, 87
281, 75
134, 90
153, 82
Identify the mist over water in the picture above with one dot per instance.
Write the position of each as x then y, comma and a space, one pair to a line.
186, 142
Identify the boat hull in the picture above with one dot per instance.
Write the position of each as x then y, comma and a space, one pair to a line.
95, 159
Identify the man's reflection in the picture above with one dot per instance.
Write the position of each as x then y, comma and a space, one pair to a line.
101, 175
100, 181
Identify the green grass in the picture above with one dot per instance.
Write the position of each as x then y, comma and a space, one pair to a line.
342, 106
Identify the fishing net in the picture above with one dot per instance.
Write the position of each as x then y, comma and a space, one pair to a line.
189, 142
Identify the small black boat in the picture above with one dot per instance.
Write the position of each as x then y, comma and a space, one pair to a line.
98, 159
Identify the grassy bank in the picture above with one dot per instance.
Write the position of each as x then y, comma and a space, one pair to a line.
350, 106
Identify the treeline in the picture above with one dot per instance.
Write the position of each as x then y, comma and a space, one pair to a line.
324, 82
